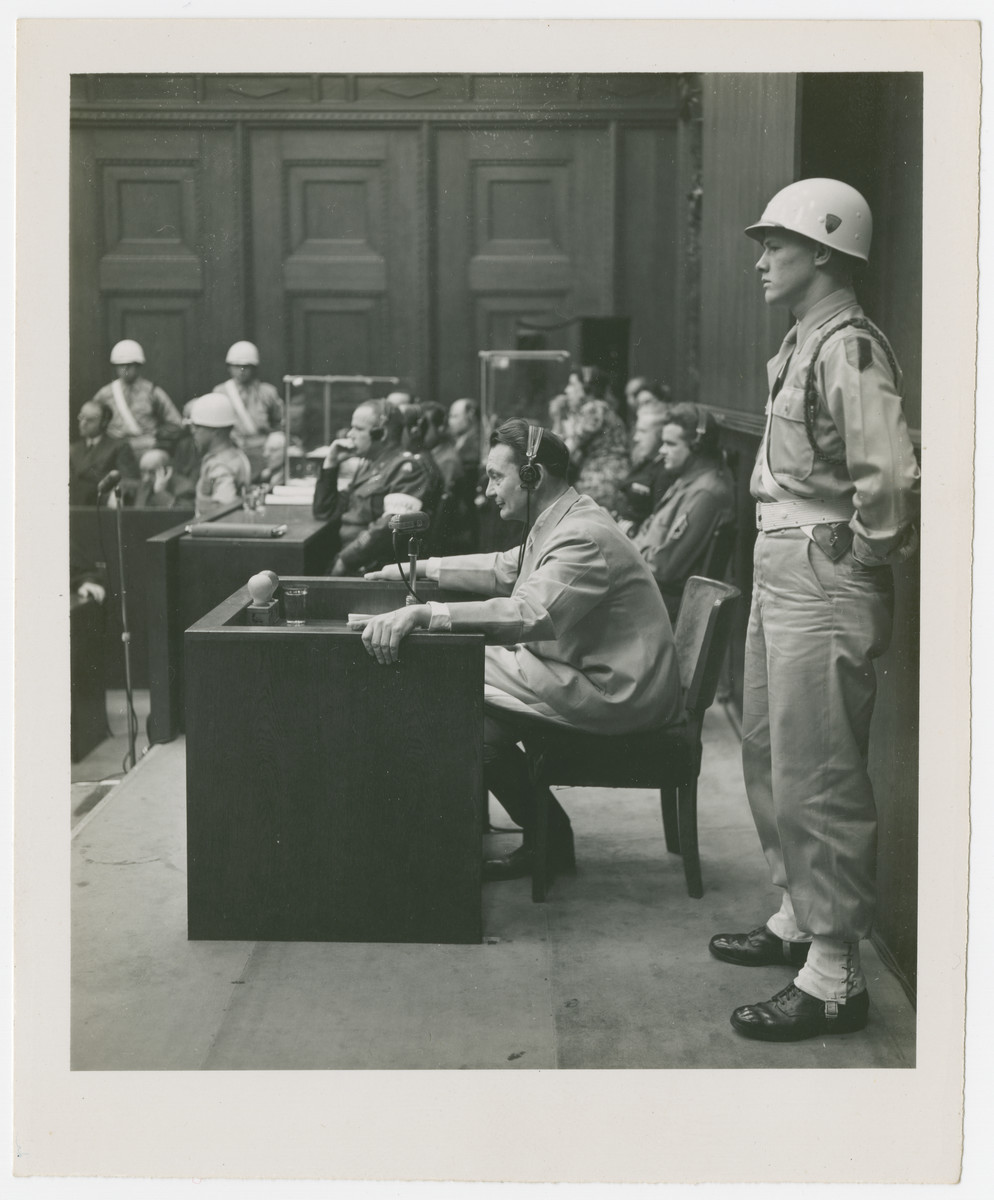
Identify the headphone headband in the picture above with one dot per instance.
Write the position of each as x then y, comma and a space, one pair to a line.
529, 474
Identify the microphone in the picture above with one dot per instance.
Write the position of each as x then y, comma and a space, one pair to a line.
110, 480
410, 522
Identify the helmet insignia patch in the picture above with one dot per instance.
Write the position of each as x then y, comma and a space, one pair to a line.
832, 222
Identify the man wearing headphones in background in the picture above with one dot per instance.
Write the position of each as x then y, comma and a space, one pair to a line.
576, 629
389, 479
676, 538
837, 488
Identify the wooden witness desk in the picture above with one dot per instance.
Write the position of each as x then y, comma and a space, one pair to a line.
330, 798
188, 576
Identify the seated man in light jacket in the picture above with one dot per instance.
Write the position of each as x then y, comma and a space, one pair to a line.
577, 632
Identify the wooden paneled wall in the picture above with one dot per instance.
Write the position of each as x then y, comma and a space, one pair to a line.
748, 154
371, 224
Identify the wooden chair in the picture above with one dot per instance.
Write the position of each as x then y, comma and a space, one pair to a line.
720, 551
668, 758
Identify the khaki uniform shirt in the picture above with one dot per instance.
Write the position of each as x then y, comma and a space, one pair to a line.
581, 634
153, 411
860, 416
224, 476
262, 403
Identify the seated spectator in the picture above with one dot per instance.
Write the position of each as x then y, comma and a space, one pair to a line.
464, 426
597, 441
161, 486
640, 389
257, 405
676, 538
96, 454
643, 487
456, 512
225, 473
273, 459
414, 440
140, 410
361, 511
402, 397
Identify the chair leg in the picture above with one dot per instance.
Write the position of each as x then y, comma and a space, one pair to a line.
687, 817
540, 837
671, 829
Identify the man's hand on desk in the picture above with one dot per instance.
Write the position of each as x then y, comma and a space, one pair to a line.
390, 573
382, 635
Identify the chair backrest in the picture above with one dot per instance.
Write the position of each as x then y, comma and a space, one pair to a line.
702, 633
719, 551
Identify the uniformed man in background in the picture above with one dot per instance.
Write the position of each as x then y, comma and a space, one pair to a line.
387, 470
140, 410
225, 473
257, 405
837, 486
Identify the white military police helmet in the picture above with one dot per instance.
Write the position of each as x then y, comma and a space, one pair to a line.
126, 352
214, 410
825, 210
243, 354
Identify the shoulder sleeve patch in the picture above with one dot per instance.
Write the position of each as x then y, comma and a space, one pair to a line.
859, 352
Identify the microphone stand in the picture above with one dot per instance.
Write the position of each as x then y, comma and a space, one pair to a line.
125, 634
413, 546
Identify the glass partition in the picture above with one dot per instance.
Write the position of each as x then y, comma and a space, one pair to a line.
520, 383
316, 408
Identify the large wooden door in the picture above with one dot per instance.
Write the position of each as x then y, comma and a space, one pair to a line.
156, 250
338, 272
525, 230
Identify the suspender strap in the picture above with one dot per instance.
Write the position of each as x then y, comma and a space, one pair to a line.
123, 411
245, 423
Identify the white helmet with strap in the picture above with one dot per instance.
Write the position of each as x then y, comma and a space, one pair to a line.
825, 210
243, 354
214, 410
126, 352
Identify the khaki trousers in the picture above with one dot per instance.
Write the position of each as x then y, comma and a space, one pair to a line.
809, 686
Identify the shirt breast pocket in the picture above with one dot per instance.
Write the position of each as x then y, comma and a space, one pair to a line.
790, 449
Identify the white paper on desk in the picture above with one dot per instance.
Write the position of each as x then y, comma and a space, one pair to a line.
295, 498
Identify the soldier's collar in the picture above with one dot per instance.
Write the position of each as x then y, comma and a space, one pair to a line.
826, 308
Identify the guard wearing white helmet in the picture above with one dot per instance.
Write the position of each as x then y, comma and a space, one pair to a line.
224, 470
836, 484
140, 410
257, 405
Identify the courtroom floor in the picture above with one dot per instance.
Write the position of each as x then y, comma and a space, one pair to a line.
612, 972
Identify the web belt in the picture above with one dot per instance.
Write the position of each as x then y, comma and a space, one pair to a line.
792, 514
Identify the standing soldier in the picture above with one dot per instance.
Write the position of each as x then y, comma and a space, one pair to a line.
257, 405
141, 410
837, 485
224, 470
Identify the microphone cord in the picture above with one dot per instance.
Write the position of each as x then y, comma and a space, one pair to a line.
527, 528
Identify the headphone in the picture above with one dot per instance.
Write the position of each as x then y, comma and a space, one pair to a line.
702, 425
528, 472
379, 431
